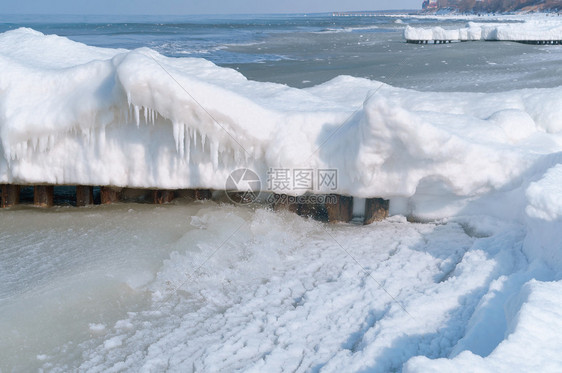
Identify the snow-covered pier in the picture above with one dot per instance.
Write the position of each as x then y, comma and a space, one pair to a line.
136, 122
427, 41
532, 32
437, 41
357, 14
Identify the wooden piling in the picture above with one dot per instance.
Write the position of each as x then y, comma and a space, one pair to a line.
376, 209
84, 195
43, 195
109, 195
341, 210
203, 194
10, 195
285, 202
161, 196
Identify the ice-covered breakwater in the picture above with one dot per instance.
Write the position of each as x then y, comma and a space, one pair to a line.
72, 114
531, 31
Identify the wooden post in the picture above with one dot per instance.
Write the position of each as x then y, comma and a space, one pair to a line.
10, 195
43, 195
84, 195
285, 202
203, 194
109, 195
341, 210
376, 209
161, 196
315, 208
308, 209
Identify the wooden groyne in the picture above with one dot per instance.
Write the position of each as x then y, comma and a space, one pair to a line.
357, 14
420, 41
331, 208
446, 41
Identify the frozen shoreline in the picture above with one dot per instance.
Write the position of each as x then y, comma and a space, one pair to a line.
475, 287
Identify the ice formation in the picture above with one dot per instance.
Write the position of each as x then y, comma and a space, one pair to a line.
73, 114
529, 30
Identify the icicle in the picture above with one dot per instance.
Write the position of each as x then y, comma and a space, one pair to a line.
195, 140
214, 153
43, 142
179, 137
236, 157
102, 137
18, 150
145, 114
203, 140
188, 145
137, 115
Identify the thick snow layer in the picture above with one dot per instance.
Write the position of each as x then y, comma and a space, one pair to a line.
528, 30
139, 119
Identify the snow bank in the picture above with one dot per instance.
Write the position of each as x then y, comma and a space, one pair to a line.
529, 30
73, 114
532, 341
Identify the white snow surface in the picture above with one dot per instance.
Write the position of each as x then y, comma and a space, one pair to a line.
207, 287
523, 30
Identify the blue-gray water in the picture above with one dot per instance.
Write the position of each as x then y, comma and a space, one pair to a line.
305, 50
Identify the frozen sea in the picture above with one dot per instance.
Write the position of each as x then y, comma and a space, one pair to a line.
306, 50
211, 287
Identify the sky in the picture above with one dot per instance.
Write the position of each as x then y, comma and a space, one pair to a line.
176, 7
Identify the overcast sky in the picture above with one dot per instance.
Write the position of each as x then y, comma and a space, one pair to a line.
196, 6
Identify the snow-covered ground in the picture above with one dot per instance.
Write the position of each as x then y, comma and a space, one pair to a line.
205, 287
472, 284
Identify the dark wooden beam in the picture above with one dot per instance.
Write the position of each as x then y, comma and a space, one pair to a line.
43, 195
203, 194
376, 209
161, 196
10, 195
109, 195
340, 208
84, 195
285, 202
